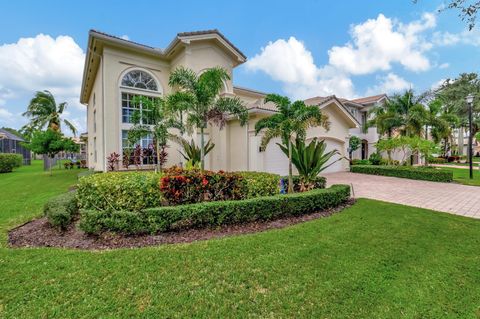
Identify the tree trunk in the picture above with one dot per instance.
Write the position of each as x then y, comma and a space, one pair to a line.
290, 172
460, 141
159, 164
202, 149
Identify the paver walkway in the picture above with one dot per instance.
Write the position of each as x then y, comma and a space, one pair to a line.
445, 197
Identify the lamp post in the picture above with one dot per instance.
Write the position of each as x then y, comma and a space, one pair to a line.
469, 100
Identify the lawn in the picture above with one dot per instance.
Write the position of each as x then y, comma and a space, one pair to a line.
462, 176
374, 260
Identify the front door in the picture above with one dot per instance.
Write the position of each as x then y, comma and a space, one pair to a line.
364, 149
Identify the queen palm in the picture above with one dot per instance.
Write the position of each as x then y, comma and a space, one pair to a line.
44, 112
291, 120
198, 96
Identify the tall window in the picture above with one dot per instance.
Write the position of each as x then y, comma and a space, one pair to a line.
137, 83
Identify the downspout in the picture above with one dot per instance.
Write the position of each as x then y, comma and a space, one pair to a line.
248, 146
103, 113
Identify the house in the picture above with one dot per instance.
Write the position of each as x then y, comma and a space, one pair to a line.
12, 143
360, 108
116, 70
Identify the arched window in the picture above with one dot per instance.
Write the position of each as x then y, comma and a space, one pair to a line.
140, 80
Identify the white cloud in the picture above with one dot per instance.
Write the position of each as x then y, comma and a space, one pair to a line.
449, 39
5, 114
444, 66
40, 63
391, 83
378, 43
125, 37
291, 63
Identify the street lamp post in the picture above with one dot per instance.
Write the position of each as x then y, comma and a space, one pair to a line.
469, 100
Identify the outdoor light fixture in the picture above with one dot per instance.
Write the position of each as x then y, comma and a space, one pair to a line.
469, 100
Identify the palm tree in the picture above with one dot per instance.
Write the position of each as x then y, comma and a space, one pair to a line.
44, 112
155, 119
403, 113
198, 97
292, 119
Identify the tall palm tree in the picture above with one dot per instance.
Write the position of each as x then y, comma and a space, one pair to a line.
403, 113
44, 112
198, 97
292, 119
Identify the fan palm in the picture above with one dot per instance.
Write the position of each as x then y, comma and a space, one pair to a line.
291, 119
198, 97
310, 160
44, 112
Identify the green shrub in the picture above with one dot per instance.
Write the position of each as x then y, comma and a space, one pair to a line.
437, 160
61, 209
420, 173
131, 191
361, 162
260, 184
10, 161
211, 214
375, 158
318, 182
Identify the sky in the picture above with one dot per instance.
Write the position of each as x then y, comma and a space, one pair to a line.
299, 49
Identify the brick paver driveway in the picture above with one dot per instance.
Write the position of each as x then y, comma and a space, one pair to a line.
445, 197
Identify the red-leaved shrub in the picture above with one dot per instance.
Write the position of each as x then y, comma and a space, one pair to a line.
180, 186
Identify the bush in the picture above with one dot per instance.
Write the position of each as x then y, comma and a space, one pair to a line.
420, 173
10, 161
132, 191
319, 182
260, 184
180, 186
437, 160
361, 162
211, 214
61, 209
375, 159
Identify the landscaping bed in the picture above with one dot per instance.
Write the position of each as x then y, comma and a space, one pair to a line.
418, 173
39, 233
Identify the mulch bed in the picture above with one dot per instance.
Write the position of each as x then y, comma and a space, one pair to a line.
38, 233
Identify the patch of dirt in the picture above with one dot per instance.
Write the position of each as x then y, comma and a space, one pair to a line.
38, 233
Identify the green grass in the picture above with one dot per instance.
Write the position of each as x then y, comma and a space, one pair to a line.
462, 175
374, 260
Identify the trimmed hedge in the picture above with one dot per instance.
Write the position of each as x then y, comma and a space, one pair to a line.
361, 162
61, 209
119, 191
320, 182
211, 214
419, 173
10, 161
260, 184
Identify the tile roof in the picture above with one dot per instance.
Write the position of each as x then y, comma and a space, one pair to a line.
369, 99
212, 31
10, 136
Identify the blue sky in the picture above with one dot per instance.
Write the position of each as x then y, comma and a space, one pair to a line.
300, 49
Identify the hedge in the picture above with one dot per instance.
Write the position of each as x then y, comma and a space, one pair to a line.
420, 173
119, 191
260, 184
211, 214
61, 209
10, 161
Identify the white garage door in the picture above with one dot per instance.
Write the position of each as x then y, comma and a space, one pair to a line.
339, 165
275, 161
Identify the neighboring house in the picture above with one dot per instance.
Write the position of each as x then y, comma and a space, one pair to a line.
11, 143
360, 108
117, 69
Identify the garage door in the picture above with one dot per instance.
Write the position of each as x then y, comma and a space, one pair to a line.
339, 165
275, 160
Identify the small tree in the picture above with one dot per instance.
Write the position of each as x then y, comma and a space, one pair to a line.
353, 145
291, 120
154, 119
50, 143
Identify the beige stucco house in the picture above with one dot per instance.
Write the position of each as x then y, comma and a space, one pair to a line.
117, 69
